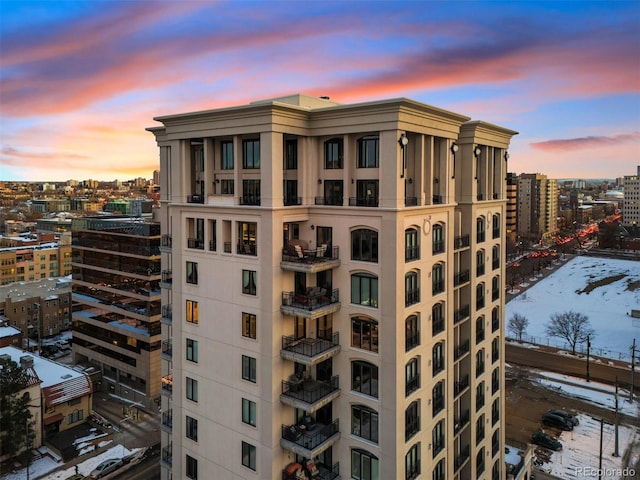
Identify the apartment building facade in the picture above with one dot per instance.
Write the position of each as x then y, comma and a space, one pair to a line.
333, 287
631, 205
537, 206
116, 295
27, 263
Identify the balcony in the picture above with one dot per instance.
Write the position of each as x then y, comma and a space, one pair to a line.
167, 350
287, 201
461, 350
363, 201
250, 200
461, 458
310, 261
461, 314
167, 384
167, 279
314, 303
309, 394
227, 247
198, 198
460, 278
460, 422
196, 243
461, 241
325, 472
165, 243
309, 351
337, 201
410, 201
437, 326
212, 245
166, 423
166, 456
247, 248
310, 441
461, 385
412, 297
166, 315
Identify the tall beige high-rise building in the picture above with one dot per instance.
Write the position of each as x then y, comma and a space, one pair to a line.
537, 205
333, 286
631, 205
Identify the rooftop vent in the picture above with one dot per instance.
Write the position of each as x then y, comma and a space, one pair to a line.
26, 361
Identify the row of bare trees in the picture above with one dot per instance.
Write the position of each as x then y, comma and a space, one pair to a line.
574, 327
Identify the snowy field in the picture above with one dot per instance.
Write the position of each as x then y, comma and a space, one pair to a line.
607, 306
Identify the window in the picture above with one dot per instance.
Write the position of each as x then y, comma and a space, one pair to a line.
290, 190
437, 318
495, 288
368, 152
248, 325
479, 263
364, 465
364, 245
249, 368
251, 154
249, 412
192, 428
495, 319
479, 396
192, 273
495, 411
438, 357
412, 333
412, 462
226, 155
495, 257
411, 246
366, 193
495, 470
249, 456
364, 378
480, 329
480, 233
191, 468
437, 278
227, 187
495, 380
438, 437
192, 311
438, 239
480, 362
439, 471
479, 296
364, 423
333, 192
412, 420
480, 462
249, 282
364, 333
495, 349
411, 289
496, 225
247, 238
437, 398
333, 154
291, 154
192, 389
75, 416
364, 289
412, 376
480, 429
251, 192
192, 350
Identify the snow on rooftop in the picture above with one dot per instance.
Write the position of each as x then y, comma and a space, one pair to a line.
50, 372
8, 331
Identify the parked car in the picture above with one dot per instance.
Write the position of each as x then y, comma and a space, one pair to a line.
567, 416
106, 467
545, 440
557, 421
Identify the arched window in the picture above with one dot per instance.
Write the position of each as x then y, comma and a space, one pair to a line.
364, 289
438, 238
412, 420
411, 289
364, 423
480, 461
437, 278
479, 263
438, 358
439, 471
495, 257
437, 318
480, 296
495, 319
479, 396
480, 230
495, 223
437, 398
438, 437
495, 288
495, 350
412, 333
364, 245
411, 245
480, 329
364, 378
412, 463
364, 333
495, 380
479, 362
412, 376
364, 465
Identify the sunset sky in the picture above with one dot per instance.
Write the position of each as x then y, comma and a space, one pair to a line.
81, 80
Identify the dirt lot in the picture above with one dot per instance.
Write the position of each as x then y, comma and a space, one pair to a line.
527, 401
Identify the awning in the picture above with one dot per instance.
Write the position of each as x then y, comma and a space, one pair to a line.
58, 417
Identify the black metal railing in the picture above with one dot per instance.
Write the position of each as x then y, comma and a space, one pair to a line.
479, 335
247, 248
438, 405
250, 200
479, 368
310, 347
460, 385
410, 201
167, 418
363, 201
437, 199
308, 390
495, 324
437, 287
312, 300
438, 246
461, 277
438, 445
461, 241
479, 401
167, 276
495, 294
438, 366
496, 233
292, 201
495, 385
411, 252
412, 385
462, 457
437, 326
460, 422
411, 341
166, 454
212, 245
411, 297
310, 439
461, 314
329, 201
320, 254
227, 247
480, 236
167, 312
197, 243
166, 241
479, 303
198, 198
461, 349
167, 347
495, 263
479, 269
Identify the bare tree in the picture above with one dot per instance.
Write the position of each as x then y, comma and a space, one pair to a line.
571, 326
517, 325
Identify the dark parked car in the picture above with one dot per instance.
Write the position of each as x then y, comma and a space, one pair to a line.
567, 416
106, 467
556, 421
545, 440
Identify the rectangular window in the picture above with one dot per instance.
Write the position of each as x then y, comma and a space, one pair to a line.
333, 154
248, 325
249, 412
249, 282
192, 350
192, 389
76, 416
364, 290
251, 192
249, 456
226, 187
251, 154
249, 368
192, 311
192, 428
191, 468
226, 155
291, 154
368, 152
192, 273
247, 238
333, 192
366, 193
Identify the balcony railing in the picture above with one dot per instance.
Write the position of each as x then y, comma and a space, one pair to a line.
310, 438
495, 324
166, 455
167, 349
166, 279
329, 201
460, 422
196, 243
460, 385
167, 420
437, 326
227, 247
495, 294
292, 201
479, 335
363, 201
412, 341
410, 201
461, 242
437, 287
496, 233
325, 472
212, 245
166, 241
247, 248
461, 349
479, 303
479, 368
293, 348
313, 299
461, 314
462, 458
411, 252
437, 199
412, 385
250, 200
438, 246
438, 366
307, 393
438, 405
480, 236
167, 383
198, 198
479, 269
438, 446
479, 401
495, 416
166, 314
411, 297
460, 278
495, 385
315, 255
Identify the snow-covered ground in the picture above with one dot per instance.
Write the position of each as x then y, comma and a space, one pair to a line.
607, 306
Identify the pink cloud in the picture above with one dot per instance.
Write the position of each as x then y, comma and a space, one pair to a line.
583, 143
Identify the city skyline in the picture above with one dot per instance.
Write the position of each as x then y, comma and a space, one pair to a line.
562, 74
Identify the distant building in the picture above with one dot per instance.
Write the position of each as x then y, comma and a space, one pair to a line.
537, 206
9, 336
631, 206
26, 260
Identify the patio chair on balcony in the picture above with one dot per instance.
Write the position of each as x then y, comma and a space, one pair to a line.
298, 250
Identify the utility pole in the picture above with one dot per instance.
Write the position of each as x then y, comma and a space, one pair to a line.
600, 463
615, 450
588, 347
633, 366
